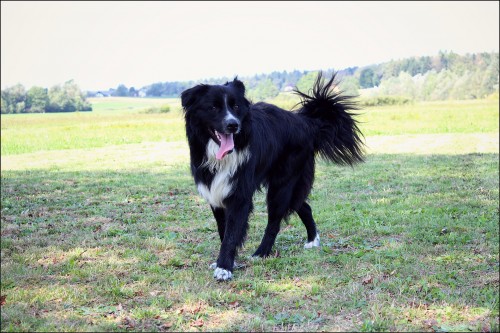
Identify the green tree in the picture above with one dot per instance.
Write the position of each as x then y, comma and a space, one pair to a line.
6, 102
390, 69
265, 89
121, 91
462, 88
37, 99
403, 85
350, 86
429, 85
5, 106
367, 78
57, 99
490, 79
67, 98
132, 92
14, 99
425, 64
306, 82
156, 89
445, 83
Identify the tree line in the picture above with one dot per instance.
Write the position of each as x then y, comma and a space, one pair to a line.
59, 98
445, 76
259, 86
441, 77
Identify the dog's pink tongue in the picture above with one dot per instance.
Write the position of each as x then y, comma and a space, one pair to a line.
226, 145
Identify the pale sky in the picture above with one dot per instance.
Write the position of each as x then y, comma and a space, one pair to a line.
103, 44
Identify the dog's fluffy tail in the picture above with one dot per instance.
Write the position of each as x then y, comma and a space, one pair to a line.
337, 137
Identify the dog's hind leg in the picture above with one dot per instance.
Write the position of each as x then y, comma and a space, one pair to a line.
305, 214
278, 208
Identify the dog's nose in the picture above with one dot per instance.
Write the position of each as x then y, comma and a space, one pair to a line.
232, 126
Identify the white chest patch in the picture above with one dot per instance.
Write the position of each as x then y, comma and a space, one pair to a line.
221, 186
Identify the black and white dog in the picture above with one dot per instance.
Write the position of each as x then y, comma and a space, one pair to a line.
237, 147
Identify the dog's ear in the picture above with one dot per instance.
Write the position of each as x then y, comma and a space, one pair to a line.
190, 96
240, 87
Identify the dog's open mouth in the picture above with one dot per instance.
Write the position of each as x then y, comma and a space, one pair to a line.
225, 142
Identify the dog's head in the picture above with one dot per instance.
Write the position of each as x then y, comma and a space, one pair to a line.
217, 111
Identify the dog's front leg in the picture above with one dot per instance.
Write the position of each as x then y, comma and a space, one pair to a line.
237, 213
220, 218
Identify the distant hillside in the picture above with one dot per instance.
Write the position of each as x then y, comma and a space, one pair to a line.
272, 83
440, 77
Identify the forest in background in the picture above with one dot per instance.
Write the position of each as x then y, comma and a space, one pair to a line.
445, 76
66, 98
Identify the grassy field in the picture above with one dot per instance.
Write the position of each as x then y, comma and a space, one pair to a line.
102, 229
114, 121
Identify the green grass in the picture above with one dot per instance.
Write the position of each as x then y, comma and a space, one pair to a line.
470, 116
105, 126
432, 117
130, 105
112, 236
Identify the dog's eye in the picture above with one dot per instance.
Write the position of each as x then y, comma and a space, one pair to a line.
213, 108
236, 107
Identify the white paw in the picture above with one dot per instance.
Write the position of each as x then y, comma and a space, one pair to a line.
222, 275
314, 243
